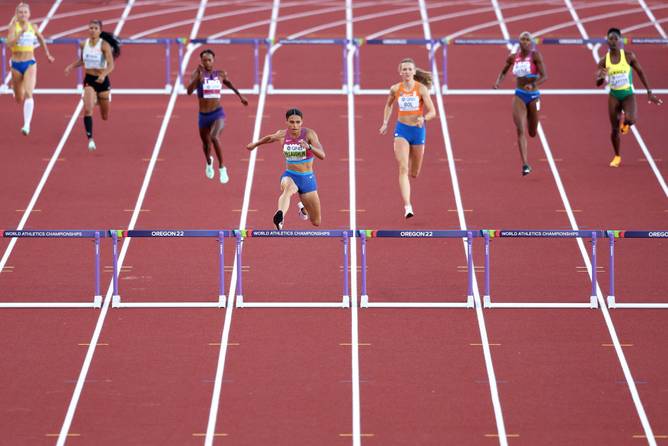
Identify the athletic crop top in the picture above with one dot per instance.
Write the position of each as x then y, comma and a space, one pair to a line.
26, 41
210, 86
410, 102
524, 66
93, 57
293, 151
620, 76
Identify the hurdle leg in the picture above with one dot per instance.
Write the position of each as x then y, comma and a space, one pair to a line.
364, 298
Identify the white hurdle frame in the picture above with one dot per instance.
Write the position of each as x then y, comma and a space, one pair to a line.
171, 233
469, 235
613, 236
558, 233
246, 233
70, 234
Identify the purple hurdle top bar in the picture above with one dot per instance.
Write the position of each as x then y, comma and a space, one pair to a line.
469, 235
344, 235
65, 233
342, 42
431, 42
177, 233
545, 233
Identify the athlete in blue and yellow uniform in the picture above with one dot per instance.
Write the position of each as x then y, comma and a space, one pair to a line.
616, 67
300, 147
529, 69
412, 97
21, 39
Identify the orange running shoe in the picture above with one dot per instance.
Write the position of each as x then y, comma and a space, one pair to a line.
616, 161
624, 128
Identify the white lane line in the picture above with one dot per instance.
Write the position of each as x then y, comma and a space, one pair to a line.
585, 256
601, 301
652, 18
42, 183
352, 191
52, 161
636, 132
487, 353
220, 368
42, 27
76, 395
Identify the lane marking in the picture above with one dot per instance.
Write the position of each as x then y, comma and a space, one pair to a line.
56, 435
225, 335
361, 435
349, 344
76, 395
28, 210
612, 345
229, 344
644, 420
88, 343
480, 345
449, 154
138, 210
215, 434
507, 435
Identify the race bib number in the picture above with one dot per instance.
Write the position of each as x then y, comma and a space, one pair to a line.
26, 39
522, 68
618, 81
211, 88
409, 103
294, 152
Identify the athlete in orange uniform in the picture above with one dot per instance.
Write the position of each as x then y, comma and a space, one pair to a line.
412, 96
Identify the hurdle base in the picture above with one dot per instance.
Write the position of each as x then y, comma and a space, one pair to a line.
52, 305
612, 303
97, 301
115, 301
345, 303
364, 303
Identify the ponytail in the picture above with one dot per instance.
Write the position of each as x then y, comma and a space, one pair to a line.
113, 41
423, 77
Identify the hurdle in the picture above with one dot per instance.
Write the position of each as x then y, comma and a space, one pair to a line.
218, 235
613, 236
468, 235
499, 233
316, 233
254, 42
96, 235
394, 42
344, 52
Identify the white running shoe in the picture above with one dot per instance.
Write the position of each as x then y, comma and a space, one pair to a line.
25, 130
91, 145
408, 211
223, 175
209, 168
302, 211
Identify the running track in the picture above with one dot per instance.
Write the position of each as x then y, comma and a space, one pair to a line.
423, 377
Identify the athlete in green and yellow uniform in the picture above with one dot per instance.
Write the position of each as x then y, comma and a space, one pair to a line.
616, 66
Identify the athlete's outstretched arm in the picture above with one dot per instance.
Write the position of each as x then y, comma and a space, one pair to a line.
633, 61
387, 111
228, 84
266, 139
504, 70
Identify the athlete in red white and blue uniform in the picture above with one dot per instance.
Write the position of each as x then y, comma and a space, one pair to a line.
529, 69
300, 147
208, 83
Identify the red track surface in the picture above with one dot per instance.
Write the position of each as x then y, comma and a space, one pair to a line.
287, 376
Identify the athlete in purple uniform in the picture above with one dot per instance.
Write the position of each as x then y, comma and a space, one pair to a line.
300, 146
209, 83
